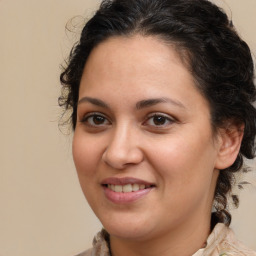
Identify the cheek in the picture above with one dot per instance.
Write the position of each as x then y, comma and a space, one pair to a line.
185, 173
86, 157
85, 154
184, 161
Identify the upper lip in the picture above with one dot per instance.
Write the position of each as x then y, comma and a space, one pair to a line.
124, 181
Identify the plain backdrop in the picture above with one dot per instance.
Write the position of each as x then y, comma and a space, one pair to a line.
42, 209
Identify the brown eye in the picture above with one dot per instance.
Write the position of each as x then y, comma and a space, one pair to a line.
98, 120
159, 120
95, 120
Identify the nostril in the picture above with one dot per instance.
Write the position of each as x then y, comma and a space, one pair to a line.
119, 158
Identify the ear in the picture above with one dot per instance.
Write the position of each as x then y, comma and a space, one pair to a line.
229, 141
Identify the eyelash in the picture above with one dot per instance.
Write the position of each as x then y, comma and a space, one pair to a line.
165, 118
86, 120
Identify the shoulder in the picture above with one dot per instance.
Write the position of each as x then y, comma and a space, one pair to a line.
223, 242
235, 247
100, 246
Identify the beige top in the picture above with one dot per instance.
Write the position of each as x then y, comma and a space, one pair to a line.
221, 242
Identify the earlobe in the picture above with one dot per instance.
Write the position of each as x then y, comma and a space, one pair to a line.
230, 139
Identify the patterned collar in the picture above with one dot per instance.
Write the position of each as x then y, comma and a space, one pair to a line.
221, 242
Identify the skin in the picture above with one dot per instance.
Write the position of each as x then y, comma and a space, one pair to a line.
177, 152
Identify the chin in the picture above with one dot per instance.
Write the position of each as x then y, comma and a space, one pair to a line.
127, 232
129, 226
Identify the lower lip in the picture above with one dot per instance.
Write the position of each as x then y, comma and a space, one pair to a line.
122, 198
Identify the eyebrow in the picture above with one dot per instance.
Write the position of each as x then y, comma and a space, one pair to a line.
139, 105
151, 102
93, 101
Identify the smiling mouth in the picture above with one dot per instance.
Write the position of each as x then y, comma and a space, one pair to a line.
127, 188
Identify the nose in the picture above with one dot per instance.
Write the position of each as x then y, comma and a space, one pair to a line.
123, 149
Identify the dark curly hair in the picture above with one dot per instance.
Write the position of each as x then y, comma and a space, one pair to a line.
219, 60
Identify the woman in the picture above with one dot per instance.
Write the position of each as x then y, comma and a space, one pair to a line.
161, 94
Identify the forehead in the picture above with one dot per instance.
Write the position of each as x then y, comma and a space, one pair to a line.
135, 57
139, 67
135, 48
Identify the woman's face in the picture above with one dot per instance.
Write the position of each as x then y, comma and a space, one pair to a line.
143, 144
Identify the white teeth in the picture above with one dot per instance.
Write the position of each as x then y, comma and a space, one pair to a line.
135, 187
118, 188
127, 188
142, 186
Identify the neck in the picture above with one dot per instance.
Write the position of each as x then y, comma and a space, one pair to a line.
181, 241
